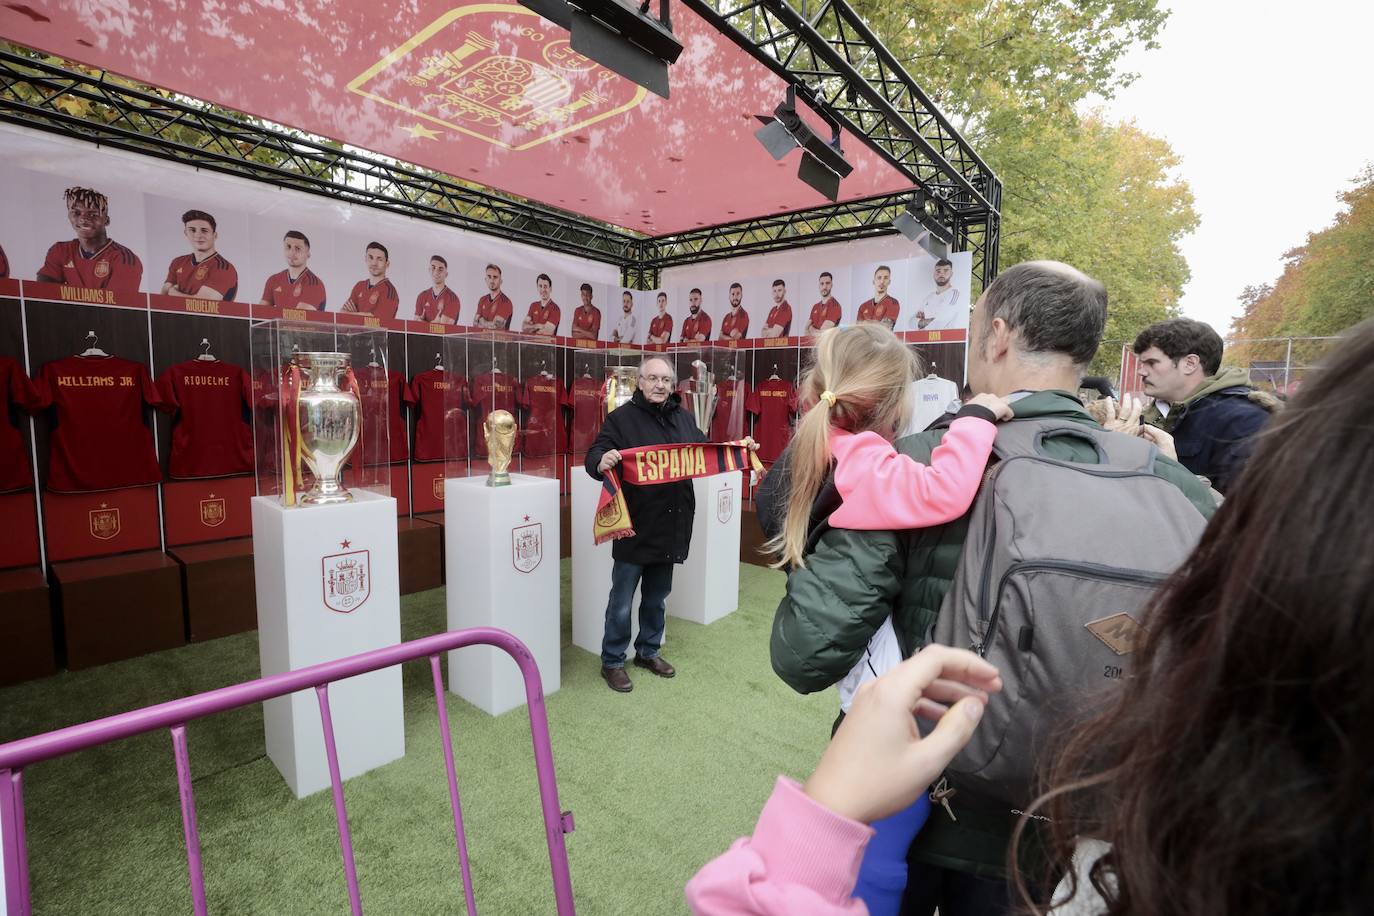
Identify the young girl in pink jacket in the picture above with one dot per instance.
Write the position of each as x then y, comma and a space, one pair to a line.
858, 396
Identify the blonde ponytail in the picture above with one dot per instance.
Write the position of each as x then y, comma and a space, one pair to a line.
858, 382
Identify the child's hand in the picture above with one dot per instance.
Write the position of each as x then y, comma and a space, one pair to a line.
999, 406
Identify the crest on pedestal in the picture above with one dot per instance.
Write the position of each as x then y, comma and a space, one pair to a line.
527, 546
347, 580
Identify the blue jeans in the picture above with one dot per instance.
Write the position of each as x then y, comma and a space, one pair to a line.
655, 582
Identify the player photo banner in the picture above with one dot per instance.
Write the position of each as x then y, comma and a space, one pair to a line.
647, 465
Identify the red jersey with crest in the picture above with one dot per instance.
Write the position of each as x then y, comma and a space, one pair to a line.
113, 267
491, 391
4, 265
888, 310
734, 320
660, 326
692, 325
544, 314
304, 292
773, 401
379, 300
728, 422
438, 394
99, 439
492, 309
821, 312
588, 319
17, 394
211, 438
542, 398
584, 397
781, 315
384, 393
187, 275
429, 307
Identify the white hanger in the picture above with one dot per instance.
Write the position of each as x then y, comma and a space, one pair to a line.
495, 367
373, 364
93, 349
205, 353
774, 376
439, 362
933, 373
586, 370
544, 369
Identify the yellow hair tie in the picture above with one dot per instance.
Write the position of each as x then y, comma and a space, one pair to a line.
828, 397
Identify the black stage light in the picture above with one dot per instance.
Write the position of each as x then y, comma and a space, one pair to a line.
923, 229
822, 164
621, 38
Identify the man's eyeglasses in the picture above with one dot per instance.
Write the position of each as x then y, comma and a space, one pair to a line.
655, 379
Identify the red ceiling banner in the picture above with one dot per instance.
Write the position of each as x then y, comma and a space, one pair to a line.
487, 92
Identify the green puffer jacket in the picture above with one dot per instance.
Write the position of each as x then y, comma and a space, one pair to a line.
854, 579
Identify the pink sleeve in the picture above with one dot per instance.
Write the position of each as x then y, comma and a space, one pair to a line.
883, 489
802, 858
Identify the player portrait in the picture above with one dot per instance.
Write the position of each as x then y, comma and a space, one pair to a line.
92, 259
697, 325
779, 321
297, 287
438, 304
204, 273
825, 314
628, 326
543, 315
661, 325
4, 264
494, 309
374, 295
586, 323
882, 307
735, 324
943, 307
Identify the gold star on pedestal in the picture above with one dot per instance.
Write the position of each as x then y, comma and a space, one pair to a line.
420, 132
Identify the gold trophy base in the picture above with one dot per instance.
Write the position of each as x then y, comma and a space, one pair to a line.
498, 479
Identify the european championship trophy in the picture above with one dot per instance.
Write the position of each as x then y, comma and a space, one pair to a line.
325, 423
499, 431
702, 395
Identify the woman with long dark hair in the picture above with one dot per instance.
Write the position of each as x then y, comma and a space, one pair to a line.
1235, 776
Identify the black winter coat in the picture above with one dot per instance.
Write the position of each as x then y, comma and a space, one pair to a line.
661, 513
1214, 435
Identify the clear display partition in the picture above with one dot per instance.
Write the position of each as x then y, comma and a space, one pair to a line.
587, 377
541, 397
772, 401
303, 374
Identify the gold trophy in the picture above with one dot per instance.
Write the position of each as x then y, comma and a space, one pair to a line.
499, 433
621, 382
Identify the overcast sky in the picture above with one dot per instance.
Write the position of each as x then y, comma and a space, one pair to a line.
1268, 104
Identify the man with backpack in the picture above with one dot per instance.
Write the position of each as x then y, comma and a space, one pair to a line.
1030, 577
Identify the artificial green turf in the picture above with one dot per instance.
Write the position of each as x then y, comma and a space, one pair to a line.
659, 781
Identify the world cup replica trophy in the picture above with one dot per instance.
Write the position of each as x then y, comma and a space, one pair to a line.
323, 422
621, 382
702, 395
499, 430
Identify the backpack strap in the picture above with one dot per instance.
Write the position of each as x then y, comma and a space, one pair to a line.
1118, 451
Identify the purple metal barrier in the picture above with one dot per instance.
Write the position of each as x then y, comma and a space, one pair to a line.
17, 755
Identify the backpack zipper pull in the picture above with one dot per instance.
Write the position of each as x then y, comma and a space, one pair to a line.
941, 794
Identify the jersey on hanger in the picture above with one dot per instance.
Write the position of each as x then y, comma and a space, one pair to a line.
17, 392
728, 422
210, 437
99, 440
773, 401
542, 398
930, 399
385, 393
585, 400
439, 394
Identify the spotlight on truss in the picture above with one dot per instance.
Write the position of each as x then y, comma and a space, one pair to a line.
822, 162
625, 39
922, 228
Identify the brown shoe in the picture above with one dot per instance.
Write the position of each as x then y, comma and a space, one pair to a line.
656, 665
617, 680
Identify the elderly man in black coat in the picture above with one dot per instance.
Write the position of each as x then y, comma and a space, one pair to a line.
662, 515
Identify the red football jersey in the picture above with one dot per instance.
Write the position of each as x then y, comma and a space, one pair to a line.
588, 319
211, 438
429, 307
727, 424
304, 292
781, 315
4, 265
541, 314
187, 275
16, 389
821, 312
490, 391
498, 308
774, 402
888, 309
437, 391
99, 440
585, 400
542, 398
692, 325
379, 300
734, 320
113, 267
661, 325
383, 395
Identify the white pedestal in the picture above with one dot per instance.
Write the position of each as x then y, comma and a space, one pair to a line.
591, 569
327, 588
502, 565
706, 587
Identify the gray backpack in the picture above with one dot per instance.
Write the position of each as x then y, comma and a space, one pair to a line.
1059, 562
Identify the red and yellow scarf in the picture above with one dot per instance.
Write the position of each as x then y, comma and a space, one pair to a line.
646, 465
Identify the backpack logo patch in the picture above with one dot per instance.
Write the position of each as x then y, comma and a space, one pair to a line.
1119, 632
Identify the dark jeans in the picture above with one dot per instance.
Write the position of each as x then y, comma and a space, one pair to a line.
955, 893
655, 581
